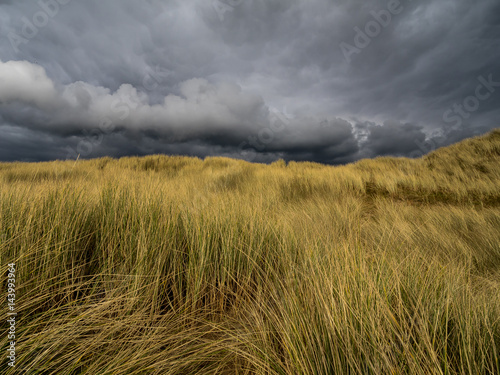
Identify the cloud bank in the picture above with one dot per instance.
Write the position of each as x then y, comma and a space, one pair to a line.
258, 79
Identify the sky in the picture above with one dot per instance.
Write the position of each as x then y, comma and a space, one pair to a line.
330, 81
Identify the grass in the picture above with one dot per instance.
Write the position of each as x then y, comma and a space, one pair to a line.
176, 265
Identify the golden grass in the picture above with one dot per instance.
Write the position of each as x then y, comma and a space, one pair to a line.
175, 265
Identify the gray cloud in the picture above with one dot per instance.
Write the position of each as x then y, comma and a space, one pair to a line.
176, 77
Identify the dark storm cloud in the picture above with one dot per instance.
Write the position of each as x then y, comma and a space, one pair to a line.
393, 138
254, 79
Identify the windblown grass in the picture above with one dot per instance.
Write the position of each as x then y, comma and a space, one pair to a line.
175, 265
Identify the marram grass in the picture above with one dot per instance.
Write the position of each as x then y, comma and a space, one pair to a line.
174, 265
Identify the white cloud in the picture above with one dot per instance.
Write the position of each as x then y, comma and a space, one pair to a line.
25, 82
202, 106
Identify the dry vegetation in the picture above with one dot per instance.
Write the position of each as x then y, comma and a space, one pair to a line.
175, 265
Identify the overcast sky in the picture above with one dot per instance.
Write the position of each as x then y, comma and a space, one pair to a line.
321, 80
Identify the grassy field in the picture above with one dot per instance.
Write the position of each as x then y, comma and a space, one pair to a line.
176, 265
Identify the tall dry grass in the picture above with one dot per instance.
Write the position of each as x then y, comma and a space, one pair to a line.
174, 265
